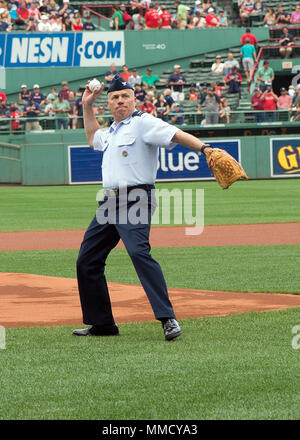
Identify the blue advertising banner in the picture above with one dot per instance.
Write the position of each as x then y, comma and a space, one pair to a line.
85, 49
180, 163
285, 157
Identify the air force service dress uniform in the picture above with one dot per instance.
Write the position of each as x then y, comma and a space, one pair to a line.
130, 154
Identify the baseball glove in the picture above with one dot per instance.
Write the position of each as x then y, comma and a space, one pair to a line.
225, 168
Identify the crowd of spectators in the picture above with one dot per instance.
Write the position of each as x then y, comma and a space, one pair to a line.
42, 16
248, 9
147, 15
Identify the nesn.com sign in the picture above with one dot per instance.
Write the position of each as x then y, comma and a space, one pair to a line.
85, 49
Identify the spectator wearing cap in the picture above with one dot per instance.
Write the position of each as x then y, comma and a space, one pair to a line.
44, 24
211, 19
222, 18
286, 42
251, 37
88, 25
111, 73
177, 82
257, 105
66, 9
284, 101
31, 111
178, 117
65, 91
37, 96
198, 7
248, 54
212, 104
265, 76
134, 79
24, 94
181, 14
234, 79
139, 93
166, 18
229, 63
149, 79
217, 67
62, 109
125, 72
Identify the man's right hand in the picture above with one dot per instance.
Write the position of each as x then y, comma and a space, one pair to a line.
90, 97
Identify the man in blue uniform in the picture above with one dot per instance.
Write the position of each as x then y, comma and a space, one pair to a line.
130, 155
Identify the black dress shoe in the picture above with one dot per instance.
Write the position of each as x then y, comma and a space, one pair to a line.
97, 330
171, 329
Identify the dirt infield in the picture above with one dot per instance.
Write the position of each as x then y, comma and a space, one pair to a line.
32, 300
225, 235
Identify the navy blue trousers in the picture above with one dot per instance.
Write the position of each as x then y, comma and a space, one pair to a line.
98, 241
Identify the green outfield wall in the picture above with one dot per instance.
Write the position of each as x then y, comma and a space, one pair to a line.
42, 158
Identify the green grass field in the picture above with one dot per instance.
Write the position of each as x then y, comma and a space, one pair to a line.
72, 207
235, 367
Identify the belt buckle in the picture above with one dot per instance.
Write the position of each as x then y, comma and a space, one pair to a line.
112, 192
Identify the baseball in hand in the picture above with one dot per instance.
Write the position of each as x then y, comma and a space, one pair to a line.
94, 85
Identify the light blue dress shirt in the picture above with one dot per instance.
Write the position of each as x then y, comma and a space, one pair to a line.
130, 150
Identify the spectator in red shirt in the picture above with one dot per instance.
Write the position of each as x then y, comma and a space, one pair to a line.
147, 106
252, 38
125, 74
211, 19
77, 23
234, 79
165, 18
23, 14
15, 115
65, 90
3, 97
257, 105
269, 99
152, 19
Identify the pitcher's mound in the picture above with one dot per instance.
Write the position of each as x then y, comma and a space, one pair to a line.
34, 300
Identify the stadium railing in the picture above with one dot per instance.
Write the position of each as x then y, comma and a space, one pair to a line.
238, 118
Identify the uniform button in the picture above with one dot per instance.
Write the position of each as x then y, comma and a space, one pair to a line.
125, 153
